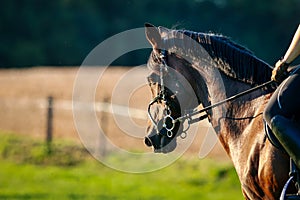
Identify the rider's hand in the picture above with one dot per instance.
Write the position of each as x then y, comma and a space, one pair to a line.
280, 73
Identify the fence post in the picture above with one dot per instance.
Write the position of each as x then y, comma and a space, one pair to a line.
104, 125
49, 125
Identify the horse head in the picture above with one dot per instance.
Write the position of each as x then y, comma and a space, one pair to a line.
163, 110
171, 93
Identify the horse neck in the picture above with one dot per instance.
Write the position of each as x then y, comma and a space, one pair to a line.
224, 69
231, 120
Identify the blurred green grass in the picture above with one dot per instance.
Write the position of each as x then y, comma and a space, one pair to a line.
29, 171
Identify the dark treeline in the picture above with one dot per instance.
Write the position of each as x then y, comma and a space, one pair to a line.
63, 32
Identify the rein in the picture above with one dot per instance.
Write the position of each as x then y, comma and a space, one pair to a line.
168, 122
196, 112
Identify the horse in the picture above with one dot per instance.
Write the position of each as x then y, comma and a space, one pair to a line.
230, 69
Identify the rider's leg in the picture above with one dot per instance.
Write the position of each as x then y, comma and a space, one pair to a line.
285, 105
288, 133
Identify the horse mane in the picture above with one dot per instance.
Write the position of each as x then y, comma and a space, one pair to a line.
234, 60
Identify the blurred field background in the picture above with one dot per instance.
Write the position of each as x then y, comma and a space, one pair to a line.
24, 104
27, 172
42, 44
69, 171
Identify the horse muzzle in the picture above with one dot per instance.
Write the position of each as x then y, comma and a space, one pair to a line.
161, 144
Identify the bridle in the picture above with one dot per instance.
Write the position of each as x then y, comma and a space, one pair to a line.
168, 122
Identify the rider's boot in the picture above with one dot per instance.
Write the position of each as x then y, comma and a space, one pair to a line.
288, 134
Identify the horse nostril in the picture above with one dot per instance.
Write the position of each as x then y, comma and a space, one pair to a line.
148, 142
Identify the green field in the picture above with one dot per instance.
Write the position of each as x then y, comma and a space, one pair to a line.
29, 171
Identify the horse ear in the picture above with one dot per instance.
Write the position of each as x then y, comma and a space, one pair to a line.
153, 35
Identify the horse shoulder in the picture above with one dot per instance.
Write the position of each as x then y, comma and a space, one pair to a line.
266, 170
273, 170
